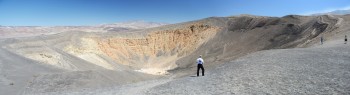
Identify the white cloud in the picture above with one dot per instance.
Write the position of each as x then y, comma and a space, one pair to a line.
325, 10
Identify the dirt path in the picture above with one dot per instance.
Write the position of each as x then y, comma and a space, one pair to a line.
141, 88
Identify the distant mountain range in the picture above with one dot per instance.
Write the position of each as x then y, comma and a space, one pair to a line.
130, 25
134, 24
20, 31
336, 12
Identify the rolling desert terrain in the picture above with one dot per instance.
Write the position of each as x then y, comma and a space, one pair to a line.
243, 55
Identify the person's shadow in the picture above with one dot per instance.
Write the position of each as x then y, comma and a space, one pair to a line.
193, 76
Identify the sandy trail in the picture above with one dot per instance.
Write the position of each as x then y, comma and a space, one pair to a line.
138, 88
142, 87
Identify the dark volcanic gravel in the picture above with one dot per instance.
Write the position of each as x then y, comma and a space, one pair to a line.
324, 70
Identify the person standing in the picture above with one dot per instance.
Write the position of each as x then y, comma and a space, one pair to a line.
346, 39
321, 40
200, 63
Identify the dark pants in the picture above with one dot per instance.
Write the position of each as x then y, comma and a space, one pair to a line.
345, 41
200, 66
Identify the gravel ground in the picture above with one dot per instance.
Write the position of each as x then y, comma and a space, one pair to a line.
317, 70
301, 71
138, 88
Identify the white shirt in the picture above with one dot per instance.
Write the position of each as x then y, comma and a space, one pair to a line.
200, 61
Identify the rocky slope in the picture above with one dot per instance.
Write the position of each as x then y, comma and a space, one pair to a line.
321, 69
317, 70
158, 50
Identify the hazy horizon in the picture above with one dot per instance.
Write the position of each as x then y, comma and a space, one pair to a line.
95, 12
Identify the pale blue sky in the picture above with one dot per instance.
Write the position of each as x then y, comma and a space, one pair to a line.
94, 12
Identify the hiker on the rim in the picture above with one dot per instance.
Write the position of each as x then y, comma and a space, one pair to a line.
321, 40
200, 62
346, 39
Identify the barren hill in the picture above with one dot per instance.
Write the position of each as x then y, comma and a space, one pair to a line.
76, 59
303, 71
